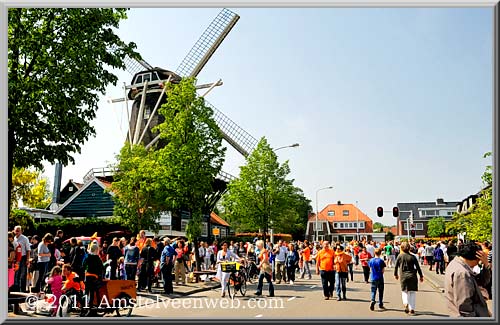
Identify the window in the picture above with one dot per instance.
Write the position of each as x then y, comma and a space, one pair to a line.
355, 225
345, 212
223, 232
204, 229
341, 225
147, 112
146, 76
362, 225
138, 79
320, 226
350, 225
184, 224
70, 188
331, 213
335, 225
419, 226
155, 76
450, 213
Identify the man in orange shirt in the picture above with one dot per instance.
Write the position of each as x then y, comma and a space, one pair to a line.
324, 267
70, 282
306, 258
340, 262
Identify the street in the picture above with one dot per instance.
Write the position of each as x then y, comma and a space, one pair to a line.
304, 299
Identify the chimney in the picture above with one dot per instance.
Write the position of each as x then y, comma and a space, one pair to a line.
57, 187
339, 203
440, 201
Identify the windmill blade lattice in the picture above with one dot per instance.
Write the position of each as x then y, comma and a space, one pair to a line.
235, 135
206, 45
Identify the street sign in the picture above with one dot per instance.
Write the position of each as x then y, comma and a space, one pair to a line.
215, 231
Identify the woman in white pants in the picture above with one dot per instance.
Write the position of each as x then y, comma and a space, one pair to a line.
409, 283
224, 255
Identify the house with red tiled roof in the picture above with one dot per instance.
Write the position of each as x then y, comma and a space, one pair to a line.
339, 222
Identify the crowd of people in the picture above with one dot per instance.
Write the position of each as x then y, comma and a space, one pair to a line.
46, 265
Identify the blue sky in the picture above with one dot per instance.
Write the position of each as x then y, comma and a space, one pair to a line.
388, 105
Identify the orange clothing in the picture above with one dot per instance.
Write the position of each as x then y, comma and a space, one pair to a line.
341, 261
69, 283
306, 254
141, 242
264, 255
325, 259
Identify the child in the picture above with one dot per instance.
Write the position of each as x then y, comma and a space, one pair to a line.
55, 282
121, 269
377, 266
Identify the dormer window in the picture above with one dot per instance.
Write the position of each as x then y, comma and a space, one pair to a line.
331, 213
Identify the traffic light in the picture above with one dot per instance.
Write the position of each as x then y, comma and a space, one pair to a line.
395, 212
380, 211
412, 233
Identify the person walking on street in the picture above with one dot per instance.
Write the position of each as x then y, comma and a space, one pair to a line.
148, 254
389, 253
279, 262
167, 260
324, 267
180, 262
306, 260
114, 253
364, 257
21, 275
409, 283
429, 255
377, 266
350, 265
265, 269
439, 259
451, 251
462, 291
341, 271
291, 262
131, 260
43, 260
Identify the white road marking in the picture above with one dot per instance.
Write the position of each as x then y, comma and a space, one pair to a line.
290, 299
258, 316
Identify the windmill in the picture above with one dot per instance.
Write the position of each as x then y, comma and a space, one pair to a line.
148, 93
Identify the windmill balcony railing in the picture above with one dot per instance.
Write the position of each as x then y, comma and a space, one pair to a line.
98, 172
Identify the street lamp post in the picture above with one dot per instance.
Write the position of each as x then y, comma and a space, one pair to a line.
316, 223
357, 222
272, 229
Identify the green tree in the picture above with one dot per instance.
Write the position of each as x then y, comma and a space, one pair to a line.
389, 236
436, 227
21, 218
378, 227
59, 61
137, 199
262, 195
179, 175
30, 188
478, 222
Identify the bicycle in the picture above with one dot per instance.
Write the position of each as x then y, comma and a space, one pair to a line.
251, 270
237, 279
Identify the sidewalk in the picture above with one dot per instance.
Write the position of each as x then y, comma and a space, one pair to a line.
157, 294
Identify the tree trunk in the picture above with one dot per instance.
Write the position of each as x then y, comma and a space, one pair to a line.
10, 148
196, 254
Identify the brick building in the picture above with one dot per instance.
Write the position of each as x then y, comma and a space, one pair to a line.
340, 222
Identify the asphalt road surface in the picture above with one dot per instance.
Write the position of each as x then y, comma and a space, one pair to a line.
303, 300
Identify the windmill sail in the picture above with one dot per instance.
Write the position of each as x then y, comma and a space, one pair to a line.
206, 45
235, 135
